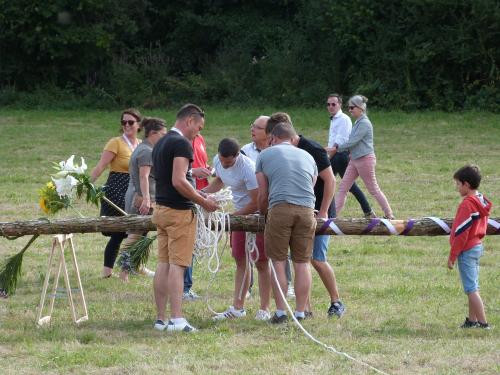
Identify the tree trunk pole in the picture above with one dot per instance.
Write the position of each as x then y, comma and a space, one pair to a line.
248, 223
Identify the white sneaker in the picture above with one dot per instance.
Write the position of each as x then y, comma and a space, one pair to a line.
291, 292
180, 327
230, 313
160, 325
146, 272
263, 315
190, 296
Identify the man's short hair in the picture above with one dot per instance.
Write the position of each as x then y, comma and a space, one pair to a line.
189, 110
470, 174
228, 147
335, 95
277, 118
283, 130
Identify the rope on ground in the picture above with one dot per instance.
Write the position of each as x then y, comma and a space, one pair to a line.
311, 337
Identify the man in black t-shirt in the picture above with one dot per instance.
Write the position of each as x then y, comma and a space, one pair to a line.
324, 191
174, 214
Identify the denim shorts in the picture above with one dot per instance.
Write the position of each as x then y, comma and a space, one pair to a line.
320, 247
468, 265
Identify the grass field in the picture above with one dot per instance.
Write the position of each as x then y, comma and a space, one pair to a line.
403, 305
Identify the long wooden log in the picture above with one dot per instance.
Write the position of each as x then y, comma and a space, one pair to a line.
248, 223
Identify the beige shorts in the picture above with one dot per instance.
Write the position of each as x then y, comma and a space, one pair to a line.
176, 235
289, 225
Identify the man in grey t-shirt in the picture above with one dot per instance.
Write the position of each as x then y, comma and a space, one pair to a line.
286, 177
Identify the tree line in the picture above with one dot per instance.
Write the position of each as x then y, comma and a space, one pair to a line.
408, 54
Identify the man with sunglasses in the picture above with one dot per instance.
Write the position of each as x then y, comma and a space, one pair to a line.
174, 215
340, 129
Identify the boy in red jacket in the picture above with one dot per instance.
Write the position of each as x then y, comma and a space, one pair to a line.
469, 227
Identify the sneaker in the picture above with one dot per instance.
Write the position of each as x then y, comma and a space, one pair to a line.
230, 313
483, 325
275, 319
469, 324
190, 296
391, 217
263, 315
370, 215
290, 294
181, 327
336, 308
146, 272
160, 325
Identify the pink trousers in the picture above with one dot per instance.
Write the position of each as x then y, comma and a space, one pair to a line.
365, 168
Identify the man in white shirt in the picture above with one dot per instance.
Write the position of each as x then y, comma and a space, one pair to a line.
260, 139
237, 171
340, 129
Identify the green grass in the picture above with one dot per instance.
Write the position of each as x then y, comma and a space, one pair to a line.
403, 305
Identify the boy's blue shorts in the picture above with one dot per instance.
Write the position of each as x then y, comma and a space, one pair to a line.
468, 265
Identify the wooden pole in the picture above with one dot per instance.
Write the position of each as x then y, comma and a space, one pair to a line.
248, 223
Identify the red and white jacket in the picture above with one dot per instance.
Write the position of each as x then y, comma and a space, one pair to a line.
469, 225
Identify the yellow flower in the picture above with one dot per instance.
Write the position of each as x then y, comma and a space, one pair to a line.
50, 185
43, 206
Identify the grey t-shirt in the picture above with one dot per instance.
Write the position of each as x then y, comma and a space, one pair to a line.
240, 178
290, 173
142, 156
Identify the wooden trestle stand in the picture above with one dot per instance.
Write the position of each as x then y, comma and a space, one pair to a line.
58, 243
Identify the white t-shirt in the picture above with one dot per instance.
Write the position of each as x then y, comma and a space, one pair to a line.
251, 151
240, 178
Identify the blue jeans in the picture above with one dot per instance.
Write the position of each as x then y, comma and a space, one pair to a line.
320, 247
188, 278
468, 265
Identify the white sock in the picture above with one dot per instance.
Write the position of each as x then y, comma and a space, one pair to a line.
300, 314
280, 313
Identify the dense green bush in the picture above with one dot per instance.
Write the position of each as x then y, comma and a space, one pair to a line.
410, 54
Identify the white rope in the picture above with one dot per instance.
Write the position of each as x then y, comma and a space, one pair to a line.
207, 239
440, 222
308, 335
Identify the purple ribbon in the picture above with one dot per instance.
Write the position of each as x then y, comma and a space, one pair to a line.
373, 224
408, 228
324, 227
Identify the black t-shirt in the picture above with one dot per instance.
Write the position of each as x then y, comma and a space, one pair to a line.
172, 145
322, 162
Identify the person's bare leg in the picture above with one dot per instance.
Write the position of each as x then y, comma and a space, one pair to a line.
476, 308
264, 283
279, 267
327, 276
160, 288
241, 278
175, 289
302, 284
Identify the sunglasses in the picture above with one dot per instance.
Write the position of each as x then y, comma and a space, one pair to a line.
351, 107
128, 122
331, 104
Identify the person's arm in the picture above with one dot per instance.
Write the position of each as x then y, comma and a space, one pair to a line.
461, 229
201, 172
144, 172
215, 185
357, 135
252, 206
106, 158
328, 191
263, 197
182, 185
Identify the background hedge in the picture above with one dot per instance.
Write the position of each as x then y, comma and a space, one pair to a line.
409, 54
